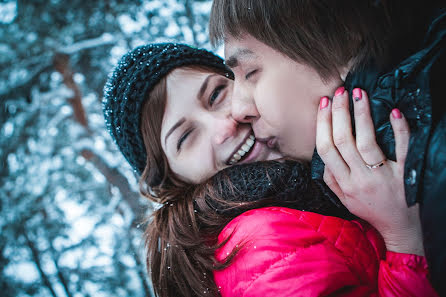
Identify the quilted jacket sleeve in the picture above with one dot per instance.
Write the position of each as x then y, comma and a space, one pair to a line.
291, 253
404, 275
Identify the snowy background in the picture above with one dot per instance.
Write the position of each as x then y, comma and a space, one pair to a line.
71, 218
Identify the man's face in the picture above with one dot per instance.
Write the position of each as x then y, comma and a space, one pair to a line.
277, 95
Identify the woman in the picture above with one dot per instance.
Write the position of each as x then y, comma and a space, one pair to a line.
169, 113
395, 50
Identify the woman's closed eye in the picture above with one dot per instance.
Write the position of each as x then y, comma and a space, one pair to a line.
183, 138
216, 94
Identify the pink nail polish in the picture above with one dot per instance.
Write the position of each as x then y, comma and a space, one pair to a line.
357, 94
324, 102
339, 91
396, 113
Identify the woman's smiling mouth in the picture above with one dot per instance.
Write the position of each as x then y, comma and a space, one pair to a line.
243, 150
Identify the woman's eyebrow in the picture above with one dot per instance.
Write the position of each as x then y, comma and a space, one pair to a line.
177, 124
204, 85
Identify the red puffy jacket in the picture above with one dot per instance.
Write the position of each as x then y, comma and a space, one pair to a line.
287, 252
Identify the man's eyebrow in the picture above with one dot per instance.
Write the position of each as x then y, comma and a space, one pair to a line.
177, 124
204, 85
241, 53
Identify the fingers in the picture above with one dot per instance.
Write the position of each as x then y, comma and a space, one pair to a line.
365, 130
402, 134
331, 182
324, 141
342, 128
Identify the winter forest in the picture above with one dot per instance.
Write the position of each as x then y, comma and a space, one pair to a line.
71, 217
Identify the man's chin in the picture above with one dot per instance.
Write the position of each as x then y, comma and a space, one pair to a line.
297, 155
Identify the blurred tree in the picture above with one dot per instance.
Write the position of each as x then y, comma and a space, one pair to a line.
70, 212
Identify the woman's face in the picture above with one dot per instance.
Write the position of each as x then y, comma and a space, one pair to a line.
277, 95
198, 134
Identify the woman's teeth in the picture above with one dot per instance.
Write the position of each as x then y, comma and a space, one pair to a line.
245, 148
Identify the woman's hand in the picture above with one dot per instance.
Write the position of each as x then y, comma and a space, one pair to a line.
357, 171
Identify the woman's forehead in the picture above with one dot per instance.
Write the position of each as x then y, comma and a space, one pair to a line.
182, 84
188, 72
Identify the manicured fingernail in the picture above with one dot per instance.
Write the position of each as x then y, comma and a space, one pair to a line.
396, 113
357, 94
324, 102
339, 91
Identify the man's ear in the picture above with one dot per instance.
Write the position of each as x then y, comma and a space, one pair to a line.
343, 74
343, 71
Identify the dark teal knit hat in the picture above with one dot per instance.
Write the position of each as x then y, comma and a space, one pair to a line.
130, 83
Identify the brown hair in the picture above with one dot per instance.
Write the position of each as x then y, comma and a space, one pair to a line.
324, 34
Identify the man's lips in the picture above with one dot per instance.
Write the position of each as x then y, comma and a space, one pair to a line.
271, 142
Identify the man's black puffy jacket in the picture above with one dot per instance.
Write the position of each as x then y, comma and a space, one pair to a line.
416, 86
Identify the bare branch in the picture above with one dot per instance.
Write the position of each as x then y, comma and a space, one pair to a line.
104, 39
115, 178
62, 65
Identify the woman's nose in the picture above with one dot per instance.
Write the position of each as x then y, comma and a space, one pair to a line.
243, 109
224, 128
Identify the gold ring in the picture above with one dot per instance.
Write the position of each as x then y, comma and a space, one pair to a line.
379, 164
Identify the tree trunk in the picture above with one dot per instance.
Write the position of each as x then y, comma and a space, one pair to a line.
191, 18
35, 255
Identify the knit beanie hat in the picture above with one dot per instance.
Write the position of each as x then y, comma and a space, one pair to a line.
130, 83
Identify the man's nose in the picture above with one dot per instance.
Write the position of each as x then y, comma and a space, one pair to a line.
243, 109
224, 128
